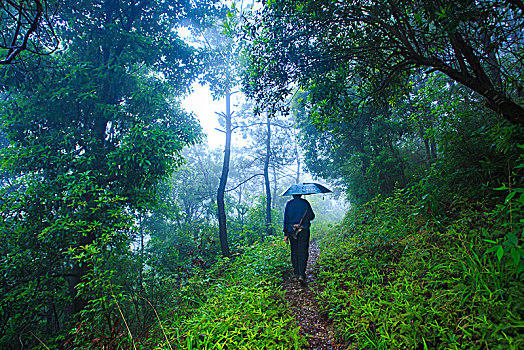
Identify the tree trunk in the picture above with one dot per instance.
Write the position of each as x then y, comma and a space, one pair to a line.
275, 183
80, 270
266, 177
496, 101
433, 145
79, 302
240, 211
141, 276
108, 92
426, 142
221, 207
297, 178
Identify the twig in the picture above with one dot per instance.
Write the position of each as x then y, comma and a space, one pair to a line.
158, 318
243, 182
121, 314
41, 342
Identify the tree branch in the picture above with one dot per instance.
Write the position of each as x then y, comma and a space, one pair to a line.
14, 50
243, 182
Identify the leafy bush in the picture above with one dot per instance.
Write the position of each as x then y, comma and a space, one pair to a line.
252, 228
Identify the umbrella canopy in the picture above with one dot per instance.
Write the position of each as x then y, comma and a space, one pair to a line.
305, 188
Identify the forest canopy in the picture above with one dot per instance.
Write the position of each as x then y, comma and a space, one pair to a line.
329, 46
120, 227
369, 78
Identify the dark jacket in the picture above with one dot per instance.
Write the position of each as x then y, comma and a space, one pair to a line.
294, 212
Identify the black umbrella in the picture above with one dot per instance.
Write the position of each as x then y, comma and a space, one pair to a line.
305, 188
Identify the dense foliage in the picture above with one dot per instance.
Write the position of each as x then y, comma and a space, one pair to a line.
110, 222
396, 278
370, 114
328, 48
93, 131
233, 304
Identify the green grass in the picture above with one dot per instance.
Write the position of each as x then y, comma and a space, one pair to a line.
242, 305
393, 281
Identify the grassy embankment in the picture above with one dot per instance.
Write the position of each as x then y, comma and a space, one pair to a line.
396, 277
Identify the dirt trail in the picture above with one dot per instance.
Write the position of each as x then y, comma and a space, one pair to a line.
316, 328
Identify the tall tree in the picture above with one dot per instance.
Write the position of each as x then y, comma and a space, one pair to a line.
221, 52
272, 147
92, 133
221, 205
266, 175
323, 46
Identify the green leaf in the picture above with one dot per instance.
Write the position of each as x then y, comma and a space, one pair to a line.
442, 13
492, 249
500, 252
513, 239
515, 255
510, 195
520, 268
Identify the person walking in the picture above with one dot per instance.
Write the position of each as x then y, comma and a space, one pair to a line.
297, 220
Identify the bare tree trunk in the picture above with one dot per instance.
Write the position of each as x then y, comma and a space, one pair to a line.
266, 177
221, 207
275, 183
240, 211
297, 178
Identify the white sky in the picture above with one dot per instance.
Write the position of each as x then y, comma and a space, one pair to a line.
201, 103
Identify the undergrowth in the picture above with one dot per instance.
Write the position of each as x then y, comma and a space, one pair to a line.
396, 279
236, 305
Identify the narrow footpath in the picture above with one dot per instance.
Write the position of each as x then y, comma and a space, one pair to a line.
303, 305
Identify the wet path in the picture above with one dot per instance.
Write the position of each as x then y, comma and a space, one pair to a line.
316, 328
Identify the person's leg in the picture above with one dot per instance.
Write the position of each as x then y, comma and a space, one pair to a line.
294, 255
302, 253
